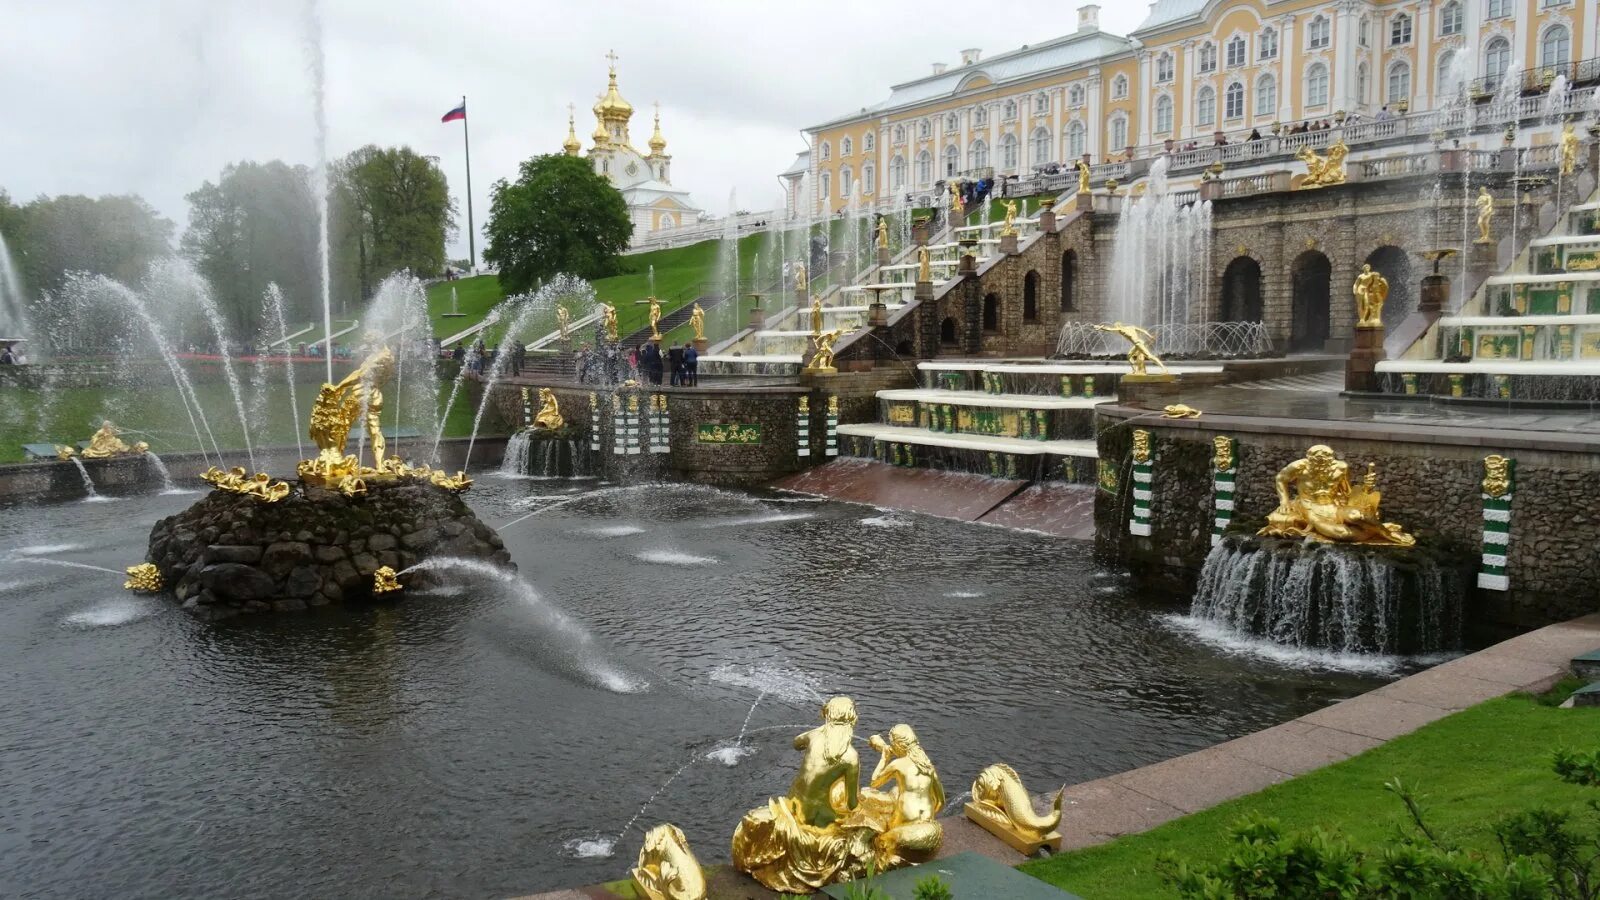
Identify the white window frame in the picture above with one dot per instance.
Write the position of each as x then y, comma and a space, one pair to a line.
826, 150
1119, 87
924, 168
1164, 115
1497, 48
1402, 30
1041, 104
1166, 68
1208, 57
1267, 43
869, 142
1319, 33
977, 155
1452, 19
846, 146
1498, 9
1399, 69
897, 173
1234, 91
1077, 140
1117, 131
1075, 95
1565, 46
846, 182
869, 179
1267, 81
1243, 57
1205, 107
1316, 83
1039, 149
950, 160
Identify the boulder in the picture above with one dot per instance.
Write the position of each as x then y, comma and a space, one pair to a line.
238, 582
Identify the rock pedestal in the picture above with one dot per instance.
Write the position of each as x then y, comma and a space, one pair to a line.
1361, 369
1434, 295
230, 554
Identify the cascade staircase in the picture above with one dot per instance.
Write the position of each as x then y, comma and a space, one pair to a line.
704, 294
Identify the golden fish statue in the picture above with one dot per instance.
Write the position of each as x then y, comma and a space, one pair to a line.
237, 481
1001, 805
828, 828
385, 581
338, 406
549, 417
107, 442
1316, 501
1180, 411
144, 578
667, 869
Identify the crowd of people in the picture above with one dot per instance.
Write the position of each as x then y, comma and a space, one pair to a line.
479, 358
647, 365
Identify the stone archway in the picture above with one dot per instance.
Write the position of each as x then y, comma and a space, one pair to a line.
1241, 291
1312, 277
947, 331
1394, 264
1030, 297
1069, 271
991, 312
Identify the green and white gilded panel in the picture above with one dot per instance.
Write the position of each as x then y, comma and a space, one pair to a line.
1225, 466
1499, 487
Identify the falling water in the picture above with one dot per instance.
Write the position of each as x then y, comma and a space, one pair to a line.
167, 487
1156, 274
489, 321
13, 308
319, 179
1555, 106
176, 279
728, 265
397, 317
88, 483
650, 280
274, 301
1467, 219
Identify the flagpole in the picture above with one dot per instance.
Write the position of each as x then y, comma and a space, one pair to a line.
472, 233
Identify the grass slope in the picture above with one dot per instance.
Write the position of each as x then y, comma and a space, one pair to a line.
1469, 768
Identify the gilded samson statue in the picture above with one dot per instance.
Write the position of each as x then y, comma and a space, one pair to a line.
1485, 204
1316, 501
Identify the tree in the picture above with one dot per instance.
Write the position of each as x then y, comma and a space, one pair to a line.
256, 225
116, 236
393, 212
558, 216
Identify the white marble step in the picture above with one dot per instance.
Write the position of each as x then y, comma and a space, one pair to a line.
1492, 367
1083, 367
994, 401
1545, 279
978, 442
1514, 321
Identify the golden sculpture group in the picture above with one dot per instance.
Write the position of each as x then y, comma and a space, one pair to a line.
829, 828
1371, 290
237, 481
822, 359
1316, 501
144, 578
1139, 353
1323, 171
105, 443
549, 417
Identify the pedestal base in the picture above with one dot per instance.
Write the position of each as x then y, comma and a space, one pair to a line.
1161, 389
1434, 295
1361, 369
701, 345
975, 814
1008, 244
758, 319
883, 256
877, 315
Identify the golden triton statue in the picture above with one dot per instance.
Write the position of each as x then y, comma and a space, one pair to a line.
564, 322
107, 442
549, 417
1002, 806
883, 233
385, 581
1139, 354
697, 321
1485, 204
1569, 149
144, 578
828, 829
1009, 229
1371, 290
822, 361
816, 315
667, 869
1083, 179
610, 313
337, 408
237, 481
924, 265
1324, 507
1324, 171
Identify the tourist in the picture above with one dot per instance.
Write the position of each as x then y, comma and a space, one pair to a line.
1384, 115
519, 355
7, 358
460, 352
1255, 134
675, 361
691, 365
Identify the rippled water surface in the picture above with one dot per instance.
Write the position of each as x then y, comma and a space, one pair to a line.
495, 735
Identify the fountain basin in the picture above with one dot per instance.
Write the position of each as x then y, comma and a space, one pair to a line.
230, 554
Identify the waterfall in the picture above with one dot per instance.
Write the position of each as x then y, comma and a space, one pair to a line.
1334, 597
88, 483
167, 487
540, 455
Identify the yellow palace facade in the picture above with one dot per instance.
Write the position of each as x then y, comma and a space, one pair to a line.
1193, 71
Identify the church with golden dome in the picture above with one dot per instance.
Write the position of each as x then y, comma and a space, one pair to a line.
645, 179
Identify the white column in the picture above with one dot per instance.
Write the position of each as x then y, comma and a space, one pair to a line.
966, 138
1185, 82
1422, 73
1471, 38
1144, 90
1024, 130
1342, 61
1094, 126
885, 150
938, 147
1525, 38
1288, 73
994, 135
1058, 138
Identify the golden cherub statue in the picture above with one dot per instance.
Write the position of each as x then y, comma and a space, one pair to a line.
1010, 227
667, 868
883, 233
924, 265
816, 315
337, 408
822, 360
1569, 149
1320, 171
1324, 507
610, 317
549, 416
1485, 204
1371, 290
697, 322
144, 578
564, 322
1004, 808
107, 442
828, 828
1139, 352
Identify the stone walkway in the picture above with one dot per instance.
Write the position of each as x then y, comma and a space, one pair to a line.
1140, 799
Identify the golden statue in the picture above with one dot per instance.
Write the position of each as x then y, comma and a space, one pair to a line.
1485, 204
107, 442
549, 417
1324, 171
655, 317
1496, 475
1139, 354
924, 265
697, 321
822, 360
816, 315
237, 481
1180, 411
1002, 806
564, 322
457, 483
1569, 149
1083, 179
1141, 445
144, 578
1009, 229
827, 829
667, 869
610, 313
1371, 289
385, 581
800, 277
337, 408
1223, 455
1324, 507
955, 201
883, 233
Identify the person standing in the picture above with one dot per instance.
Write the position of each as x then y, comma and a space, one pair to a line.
519, 355
675, 360
7, 358
691, 365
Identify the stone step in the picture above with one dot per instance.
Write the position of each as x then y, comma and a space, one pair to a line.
1587, 666
1586, 696
924, 437
996, 401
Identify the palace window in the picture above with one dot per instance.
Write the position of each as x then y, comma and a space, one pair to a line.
952, 161
980, 117
1163, 115
1041, 104
1233, 101
899, 134
1119, 134
1499, 9
1205, 107
846, 183
1317, 86
1077, 140
1555, 48
827, 182
1363, 84
1039, 147
1266, 96
1445, 82
1009, 111
1267, 44
868, 142
827, 150
1008, 152
845, 147
952, 122
1164, 68
1364, 30
1399, 82
1400, 30
924, 129
1496, 60
978, 155
1208, 57
1075, 95
1320, 32
1450, 19
1236, 52
1119, 88
869, 179
924, 169
897, 173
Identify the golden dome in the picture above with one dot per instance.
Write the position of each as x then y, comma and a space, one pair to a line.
571, 145
601, 136
611, 106
658, 142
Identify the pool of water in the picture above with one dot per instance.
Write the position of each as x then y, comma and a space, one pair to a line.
497, 735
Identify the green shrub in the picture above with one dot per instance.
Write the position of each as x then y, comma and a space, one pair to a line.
932, 888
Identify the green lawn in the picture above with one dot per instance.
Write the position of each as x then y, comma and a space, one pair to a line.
1469, 768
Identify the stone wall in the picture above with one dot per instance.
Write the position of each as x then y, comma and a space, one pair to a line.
1431, 487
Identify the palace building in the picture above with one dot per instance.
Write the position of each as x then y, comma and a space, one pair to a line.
645, 179
1194, 72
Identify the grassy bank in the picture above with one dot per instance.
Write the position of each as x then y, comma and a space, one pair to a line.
1470, 768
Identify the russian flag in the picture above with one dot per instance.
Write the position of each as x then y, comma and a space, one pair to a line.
457, 114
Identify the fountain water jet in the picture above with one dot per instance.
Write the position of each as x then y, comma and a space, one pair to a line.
13, 308
319, 178
273, 299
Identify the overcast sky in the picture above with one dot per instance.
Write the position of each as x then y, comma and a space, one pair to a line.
155, 96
